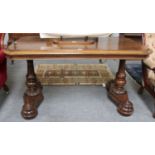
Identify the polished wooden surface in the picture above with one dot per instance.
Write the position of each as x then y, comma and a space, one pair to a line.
111, 48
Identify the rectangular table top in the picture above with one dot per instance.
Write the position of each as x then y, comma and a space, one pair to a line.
32, 47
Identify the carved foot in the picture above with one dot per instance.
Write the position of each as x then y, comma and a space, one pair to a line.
30, 106
125, 107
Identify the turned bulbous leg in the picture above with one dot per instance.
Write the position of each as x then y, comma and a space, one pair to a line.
117, 92
33, 95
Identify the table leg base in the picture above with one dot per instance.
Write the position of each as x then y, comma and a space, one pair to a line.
125, 109
31, 104
124, 106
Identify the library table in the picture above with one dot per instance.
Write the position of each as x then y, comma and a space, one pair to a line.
32, 48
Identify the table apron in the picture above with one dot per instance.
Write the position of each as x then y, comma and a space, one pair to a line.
43, 57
